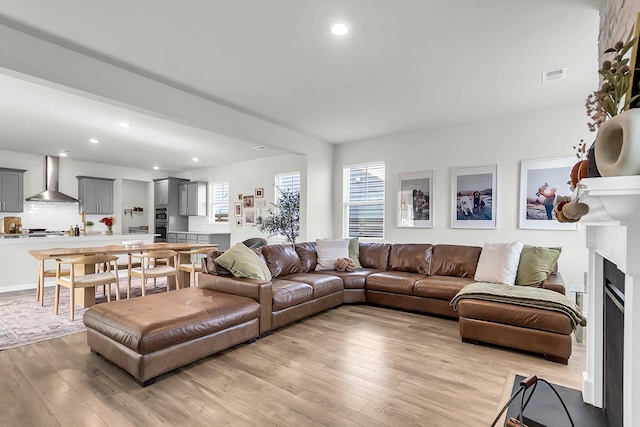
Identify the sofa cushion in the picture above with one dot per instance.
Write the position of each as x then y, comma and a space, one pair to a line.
213, 267
354, 279
322, 284
244, 262
397, 282
455, 260
440, 287
287, 293
330, 250
354, 252
155, 322
281, 259
516, 315
536, 264
498, 263
307, 252
410, 257
374, 255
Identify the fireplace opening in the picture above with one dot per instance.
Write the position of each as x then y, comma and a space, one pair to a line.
613, 343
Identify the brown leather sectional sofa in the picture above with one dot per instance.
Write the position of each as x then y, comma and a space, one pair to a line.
416, 277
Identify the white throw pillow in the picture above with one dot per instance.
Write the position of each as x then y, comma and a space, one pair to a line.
329, 250
498, 263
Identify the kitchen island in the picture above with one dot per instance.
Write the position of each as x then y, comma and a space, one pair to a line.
20, 269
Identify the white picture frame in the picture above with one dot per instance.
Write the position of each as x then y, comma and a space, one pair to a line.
415, 201
544, 174
474, 197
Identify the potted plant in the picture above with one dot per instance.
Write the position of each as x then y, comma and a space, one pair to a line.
284, 218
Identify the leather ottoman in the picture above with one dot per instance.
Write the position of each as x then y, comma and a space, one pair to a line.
149, 336
509, 325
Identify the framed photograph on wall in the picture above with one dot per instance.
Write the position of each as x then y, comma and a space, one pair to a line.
541, 181
414, 199
248, 202
259, 193
249, 217
237, 209
474, 197
238, 222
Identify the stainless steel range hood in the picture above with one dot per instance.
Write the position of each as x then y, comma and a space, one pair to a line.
51, 193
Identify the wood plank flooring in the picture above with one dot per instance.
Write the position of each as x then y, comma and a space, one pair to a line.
352, 366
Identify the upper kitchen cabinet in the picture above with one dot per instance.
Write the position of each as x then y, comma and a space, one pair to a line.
11, 190
193, 198
166, 190
95, 195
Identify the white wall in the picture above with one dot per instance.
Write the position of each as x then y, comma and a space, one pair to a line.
503, 141
136, 194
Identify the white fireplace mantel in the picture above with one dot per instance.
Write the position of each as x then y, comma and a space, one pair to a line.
612, 232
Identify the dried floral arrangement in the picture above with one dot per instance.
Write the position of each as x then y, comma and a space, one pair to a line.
608, 101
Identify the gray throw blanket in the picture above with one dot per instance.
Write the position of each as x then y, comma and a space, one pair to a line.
522, 295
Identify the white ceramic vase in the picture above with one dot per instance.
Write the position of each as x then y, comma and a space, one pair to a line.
618, 145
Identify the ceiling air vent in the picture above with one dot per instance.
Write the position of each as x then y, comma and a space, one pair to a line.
554, 75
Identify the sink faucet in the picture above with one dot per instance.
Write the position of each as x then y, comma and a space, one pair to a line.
84, 222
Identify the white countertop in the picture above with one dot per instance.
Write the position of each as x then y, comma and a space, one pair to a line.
8, 239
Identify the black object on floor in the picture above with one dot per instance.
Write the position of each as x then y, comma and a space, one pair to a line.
544, 408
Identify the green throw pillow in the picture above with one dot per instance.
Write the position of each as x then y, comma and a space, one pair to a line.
354, 252
244, 262
536, 264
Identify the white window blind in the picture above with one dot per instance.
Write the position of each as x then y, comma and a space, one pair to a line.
219, 202
364, 200
288, 181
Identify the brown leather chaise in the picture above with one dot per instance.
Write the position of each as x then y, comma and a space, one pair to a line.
151, 335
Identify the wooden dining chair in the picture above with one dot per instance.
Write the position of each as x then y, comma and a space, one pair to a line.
84, 272
43, 273
154, 264
194, 265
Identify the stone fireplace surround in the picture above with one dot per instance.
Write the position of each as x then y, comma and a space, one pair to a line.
613, 233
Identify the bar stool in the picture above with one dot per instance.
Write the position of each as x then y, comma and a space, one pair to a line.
79, 279
195, 263
153, 264
43, 273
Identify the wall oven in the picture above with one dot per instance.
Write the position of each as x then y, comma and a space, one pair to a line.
161, 215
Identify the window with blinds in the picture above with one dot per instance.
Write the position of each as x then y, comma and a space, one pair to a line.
364, 200
288, 181
219, 202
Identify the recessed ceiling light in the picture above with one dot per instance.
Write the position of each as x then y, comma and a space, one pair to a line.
155, 168
340, 29
94, 141
64, 153
259, 148
124, 124
195, 159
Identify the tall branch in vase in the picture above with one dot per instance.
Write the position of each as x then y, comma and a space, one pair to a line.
284, 217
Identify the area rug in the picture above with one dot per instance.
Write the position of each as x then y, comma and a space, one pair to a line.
23, 321
544, 408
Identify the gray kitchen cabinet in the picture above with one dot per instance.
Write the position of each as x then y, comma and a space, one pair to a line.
161, 192
193, 198
95, 195
11, 190
172, 237
222, 240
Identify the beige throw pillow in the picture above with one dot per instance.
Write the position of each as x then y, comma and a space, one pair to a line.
329, 250
498, 263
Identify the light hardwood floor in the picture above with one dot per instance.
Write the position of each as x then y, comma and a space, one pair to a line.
352, 366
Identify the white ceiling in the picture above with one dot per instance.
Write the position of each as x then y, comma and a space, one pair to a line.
405, 65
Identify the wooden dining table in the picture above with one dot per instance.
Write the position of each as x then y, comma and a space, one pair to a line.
86, 297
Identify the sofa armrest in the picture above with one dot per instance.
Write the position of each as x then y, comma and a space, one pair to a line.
554, 283
258, 290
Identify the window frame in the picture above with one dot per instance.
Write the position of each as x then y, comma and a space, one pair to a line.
346, 204
214, 203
